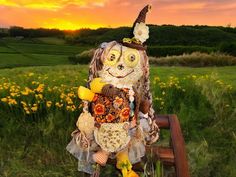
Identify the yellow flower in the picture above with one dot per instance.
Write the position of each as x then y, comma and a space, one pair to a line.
13, 94
68, 108
49, 104
69, 100
27, 91
23, 103
12, 101
39, 96
4, 99
62, 95
73, 108
34, 108
30, 74
24, 93
40, 88
58, 104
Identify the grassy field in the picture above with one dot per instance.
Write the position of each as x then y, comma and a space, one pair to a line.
39, 107
16, 52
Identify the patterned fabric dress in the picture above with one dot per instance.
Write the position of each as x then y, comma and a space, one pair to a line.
109, 111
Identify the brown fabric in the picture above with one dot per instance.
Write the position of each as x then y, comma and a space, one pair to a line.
137, 103
109, 90
144, 106
134, 45
142, 14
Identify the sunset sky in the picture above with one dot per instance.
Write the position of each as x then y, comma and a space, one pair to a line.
75, 14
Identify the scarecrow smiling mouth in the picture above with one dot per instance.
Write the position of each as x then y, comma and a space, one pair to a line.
108, 70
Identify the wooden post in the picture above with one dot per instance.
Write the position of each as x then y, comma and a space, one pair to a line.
181, 163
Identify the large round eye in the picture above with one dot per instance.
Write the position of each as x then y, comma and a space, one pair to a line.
112, 57
132, 57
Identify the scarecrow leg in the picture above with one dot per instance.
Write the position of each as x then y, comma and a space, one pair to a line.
124, 164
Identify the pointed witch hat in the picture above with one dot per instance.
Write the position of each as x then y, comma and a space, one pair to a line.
140, 31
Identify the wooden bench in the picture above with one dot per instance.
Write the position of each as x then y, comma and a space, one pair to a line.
175, 153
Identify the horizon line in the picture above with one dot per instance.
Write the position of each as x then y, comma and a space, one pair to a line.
110, 27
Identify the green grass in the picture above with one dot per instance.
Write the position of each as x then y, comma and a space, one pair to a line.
51, 40
19, 60
46, 48
36, 52
34, 145
6, 50
226, 73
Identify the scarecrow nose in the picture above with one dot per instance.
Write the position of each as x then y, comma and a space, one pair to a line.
120, 67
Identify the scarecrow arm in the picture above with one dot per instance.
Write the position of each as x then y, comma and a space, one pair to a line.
97, 86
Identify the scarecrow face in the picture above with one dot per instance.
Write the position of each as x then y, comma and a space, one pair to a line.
121, 65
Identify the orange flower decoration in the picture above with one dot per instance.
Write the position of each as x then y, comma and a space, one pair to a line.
110, 118
118, 101
98, 119
99, 109
124, 114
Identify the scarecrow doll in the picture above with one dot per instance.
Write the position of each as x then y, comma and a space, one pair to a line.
117, 118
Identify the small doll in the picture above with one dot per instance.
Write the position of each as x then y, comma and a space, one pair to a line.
117, 118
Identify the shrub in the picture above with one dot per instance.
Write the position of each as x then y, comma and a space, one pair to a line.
229, 48
82, 58
195, 59
163, 51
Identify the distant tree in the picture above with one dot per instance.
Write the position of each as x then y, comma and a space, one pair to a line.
4, 32
40, 32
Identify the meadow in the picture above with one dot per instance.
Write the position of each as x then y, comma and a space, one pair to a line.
39, 108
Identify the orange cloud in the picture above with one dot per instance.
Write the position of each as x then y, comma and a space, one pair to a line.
50, 4
74, 14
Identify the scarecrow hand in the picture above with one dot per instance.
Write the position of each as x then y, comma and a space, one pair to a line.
85, 94
96, 85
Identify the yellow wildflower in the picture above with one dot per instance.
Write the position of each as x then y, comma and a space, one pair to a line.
40, 88
194, 76
30, 74
23, 103
13, 94
49, 104
34, 108
39, 96
58, 104
4, 99
68, 108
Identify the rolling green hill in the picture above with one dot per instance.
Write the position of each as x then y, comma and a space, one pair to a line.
36, 52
